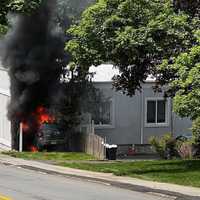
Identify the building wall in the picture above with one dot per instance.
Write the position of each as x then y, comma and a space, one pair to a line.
181, 125
129, 118
4, 79
126, 123
5, 127
176, 125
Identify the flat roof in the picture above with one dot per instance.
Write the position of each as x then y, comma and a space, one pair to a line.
105, 73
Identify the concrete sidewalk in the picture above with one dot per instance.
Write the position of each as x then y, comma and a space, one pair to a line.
107, 178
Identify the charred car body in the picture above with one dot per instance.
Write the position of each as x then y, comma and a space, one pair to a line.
50, 136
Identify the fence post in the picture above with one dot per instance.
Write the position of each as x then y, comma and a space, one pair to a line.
21, 137
105, 148
94, 145
92, 131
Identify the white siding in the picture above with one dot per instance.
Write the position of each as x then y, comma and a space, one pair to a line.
5, 126
4, 79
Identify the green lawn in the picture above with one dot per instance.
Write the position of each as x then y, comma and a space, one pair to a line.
182, 172
50, 156
176, 171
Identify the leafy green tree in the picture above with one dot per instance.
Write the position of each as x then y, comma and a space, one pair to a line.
3, 12
24, 6
20, 6
68, 12
186, 82
134, 35
185, 86
72, 9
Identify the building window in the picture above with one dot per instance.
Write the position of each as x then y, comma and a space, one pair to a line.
103, 115
156, 112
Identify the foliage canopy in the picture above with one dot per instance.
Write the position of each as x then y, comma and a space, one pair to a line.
133, 35
21, 6
186, 82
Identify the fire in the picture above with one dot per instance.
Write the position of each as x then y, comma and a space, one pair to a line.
40, 109
37, 118
33, 149
25, 127
31, 124
43, 116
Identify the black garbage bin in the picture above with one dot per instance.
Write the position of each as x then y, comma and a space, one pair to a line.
111, 152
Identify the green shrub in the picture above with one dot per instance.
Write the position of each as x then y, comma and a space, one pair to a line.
165, 146
185, 149
196, 131
196, 136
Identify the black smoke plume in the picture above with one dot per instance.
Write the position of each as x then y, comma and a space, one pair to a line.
33, 52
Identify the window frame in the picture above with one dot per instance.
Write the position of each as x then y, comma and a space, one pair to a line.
112, 113
167, 112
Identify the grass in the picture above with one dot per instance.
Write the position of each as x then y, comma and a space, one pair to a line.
182, 172
51, 156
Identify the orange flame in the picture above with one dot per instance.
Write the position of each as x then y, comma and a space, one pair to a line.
43, 116
40, 109
25, 127
33, 149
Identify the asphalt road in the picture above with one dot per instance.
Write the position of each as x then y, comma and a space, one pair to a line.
23, 184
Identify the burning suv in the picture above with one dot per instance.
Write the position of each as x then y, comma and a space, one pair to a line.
49, 135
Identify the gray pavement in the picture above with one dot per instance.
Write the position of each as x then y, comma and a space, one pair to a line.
132, 184
22, 184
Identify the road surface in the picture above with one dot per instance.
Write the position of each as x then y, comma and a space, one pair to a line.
23, 184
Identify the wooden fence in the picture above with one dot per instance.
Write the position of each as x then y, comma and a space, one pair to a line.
88, 143
85, 140
94, 145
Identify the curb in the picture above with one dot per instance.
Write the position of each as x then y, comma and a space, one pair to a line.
169, 191
129, 186
135, 188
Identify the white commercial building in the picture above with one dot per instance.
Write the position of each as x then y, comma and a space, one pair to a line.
5, 126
